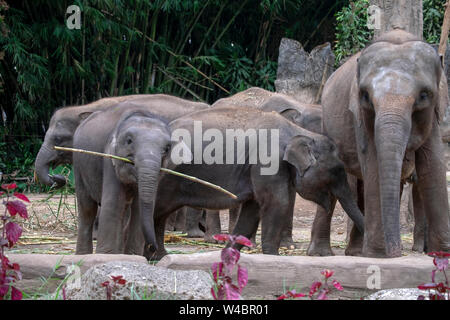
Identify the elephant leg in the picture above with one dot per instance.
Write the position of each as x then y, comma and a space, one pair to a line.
149, 251
134, 243
212, 225
171, 221
234, 216
193, 217
248, 221
419, 220
115, 205
320, 232
432, 185
180, 219
275, 216
87, 211
95, 230
286, 234
355, 243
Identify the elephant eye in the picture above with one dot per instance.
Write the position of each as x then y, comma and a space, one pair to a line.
424, 95
364, 96
129, 141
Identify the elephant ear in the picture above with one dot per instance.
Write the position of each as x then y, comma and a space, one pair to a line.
82, 116
299, 153
180, 152
292, 115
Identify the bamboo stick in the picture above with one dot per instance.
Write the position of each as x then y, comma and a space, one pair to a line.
445, 30
179, 174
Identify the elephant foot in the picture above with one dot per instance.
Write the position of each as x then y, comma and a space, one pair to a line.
418, 246
152, 255
195, 233
353, 251
319, 250
290, 244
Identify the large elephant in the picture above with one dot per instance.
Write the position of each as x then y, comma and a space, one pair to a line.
308, 164
383, 108
307, 116
93, 134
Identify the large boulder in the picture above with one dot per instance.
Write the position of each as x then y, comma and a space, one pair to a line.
54, 268
271, 275
143, 281
301, 74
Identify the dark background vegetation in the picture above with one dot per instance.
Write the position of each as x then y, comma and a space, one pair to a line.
197, 49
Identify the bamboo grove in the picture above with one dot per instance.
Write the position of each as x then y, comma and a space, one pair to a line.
197, 49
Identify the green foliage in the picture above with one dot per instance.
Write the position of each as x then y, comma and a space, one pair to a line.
433, 16
352, 33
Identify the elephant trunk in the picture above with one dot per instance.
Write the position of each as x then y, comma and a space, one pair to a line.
391, 138
44, 158
148, 172
344, 195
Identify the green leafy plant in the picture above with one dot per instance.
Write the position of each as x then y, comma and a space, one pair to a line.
352, 33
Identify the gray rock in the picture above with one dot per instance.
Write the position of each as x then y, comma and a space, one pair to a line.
300, 74
270, 275
54, 268
143, 281
398, 294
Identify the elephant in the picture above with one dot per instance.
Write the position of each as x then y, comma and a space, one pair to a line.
93, 134
63, 124
308, 164
382, 108
308, 116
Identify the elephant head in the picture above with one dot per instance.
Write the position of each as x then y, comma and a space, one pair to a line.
320, 174
60, 133
395, 100
144, 139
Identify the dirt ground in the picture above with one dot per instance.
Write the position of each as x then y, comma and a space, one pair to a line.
52, 225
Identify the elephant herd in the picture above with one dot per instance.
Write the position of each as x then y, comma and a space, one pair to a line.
378, 127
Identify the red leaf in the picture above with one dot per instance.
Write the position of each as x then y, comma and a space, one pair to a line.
232, 292
13, 232
441, 263
2, 193
217, 270
15, 207
121, 281
427, 286
3, 291
10, 186
291, 294
242, 277
116, 278
323, 294
327, 273
221, 237
16, 294
337, 285
244, 241
439, 254
314, 287
230, 257
21, 196
105, 284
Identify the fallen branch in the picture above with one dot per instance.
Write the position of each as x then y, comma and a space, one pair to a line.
110, 156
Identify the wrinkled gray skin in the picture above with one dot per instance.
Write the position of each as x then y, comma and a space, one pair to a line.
307, 116
93, 134
62, 126
382, 108
308, 165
